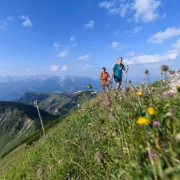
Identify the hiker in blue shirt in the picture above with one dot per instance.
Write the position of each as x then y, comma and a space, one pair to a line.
117, 73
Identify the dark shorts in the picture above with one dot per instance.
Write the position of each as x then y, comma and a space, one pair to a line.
117, 80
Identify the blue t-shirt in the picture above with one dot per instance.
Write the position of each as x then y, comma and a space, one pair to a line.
118, 70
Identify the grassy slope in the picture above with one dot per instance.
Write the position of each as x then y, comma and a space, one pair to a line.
17, 122
12, 158
105, 142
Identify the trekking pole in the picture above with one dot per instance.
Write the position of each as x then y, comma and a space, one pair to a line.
127, 67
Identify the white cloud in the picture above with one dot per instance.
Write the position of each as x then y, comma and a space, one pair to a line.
117, 45
113, 7
176, 45
143, 59
54, 68
27, 21
106, 4
160, 37
56, 45
72, 38
90, 24
86, 67
63, 53
123, 9
137, 29
114, 10
130, 53
146, 9
10, 18
58, 68
85, 57
63, 68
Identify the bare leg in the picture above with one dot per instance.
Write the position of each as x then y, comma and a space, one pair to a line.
107, 87
118, 87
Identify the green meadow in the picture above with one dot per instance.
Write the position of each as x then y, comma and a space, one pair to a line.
132, 135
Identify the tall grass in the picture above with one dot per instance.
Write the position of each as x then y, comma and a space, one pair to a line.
134, 135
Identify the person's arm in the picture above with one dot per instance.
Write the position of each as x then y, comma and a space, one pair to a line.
108, 75
113, 71
125, 69
100, 77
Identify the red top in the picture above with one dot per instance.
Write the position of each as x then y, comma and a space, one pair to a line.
104, 77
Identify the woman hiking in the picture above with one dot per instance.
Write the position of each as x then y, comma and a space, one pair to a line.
104, 79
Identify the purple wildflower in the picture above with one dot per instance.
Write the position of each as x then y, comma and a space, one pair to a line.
153, 156
107, 101
156, 123
170, 94
171, 72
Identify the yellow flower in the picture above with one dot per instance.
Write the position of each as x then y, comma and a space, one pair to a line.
139, 93
150, 111
142, 120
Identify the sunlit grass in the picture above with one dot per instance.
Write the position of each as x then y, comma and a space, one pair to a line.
132, 135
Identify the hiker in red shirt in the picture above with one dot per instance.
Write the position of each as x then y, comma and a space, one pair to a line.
104, 79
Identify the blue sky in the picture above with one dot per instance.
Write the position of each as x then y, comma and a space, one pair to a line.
80, 37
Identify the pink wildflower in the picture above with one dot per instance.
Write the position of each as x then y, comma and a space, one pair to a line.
156, 123
170, 94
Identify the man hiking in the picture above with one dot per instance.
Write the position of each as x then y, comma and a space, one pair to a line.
117, 73
104, 79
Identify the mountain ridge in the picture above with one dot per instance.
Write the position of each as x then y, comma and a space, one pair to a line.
13, 90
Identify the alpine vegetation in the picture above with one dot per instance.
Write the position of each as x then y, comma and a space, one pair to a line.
132, 135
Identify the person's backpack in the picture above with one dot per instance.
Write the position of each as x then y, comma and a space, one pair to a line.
104, 76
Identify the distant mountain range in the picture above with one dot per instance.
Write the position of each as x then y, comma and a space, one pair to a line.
13, 87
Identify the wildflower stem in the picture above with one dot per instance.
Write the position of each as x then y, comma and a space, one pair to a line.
40, 119
139, 102
152, 163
